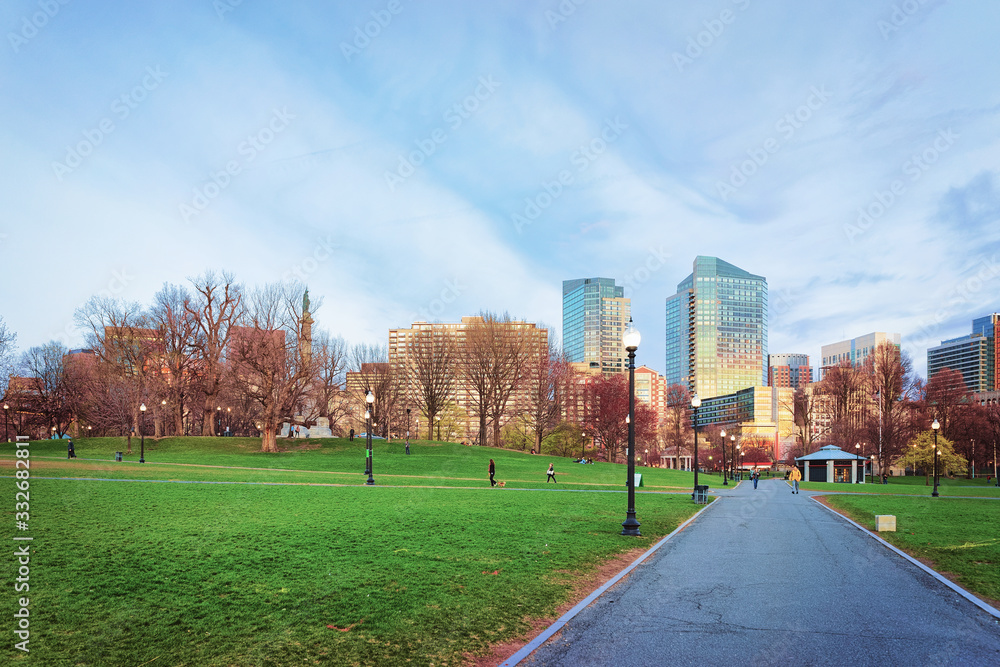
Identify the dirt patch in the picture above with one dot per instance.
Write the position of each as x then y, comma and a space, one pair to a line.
581, 585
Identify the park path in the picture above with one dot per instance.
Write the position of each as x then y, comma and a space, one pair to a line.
765, 577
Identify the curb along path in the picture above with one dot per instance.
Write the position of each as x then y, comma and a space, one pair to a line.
767, 577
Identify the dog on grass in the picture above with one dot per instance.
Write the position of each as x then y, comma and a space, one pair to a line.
501, 484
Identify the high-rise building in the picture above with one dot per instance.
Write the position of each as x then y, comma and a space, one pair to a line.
427, 343
595, 312
717, 330
974, 356
855, 350
788, 370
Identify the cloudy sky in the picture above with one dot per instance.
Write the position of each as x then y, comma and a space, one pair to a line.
427, 160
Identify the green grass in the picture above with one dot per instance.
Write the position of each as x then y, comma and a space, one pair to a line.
204, 574
958, 536
916, 486
334, 460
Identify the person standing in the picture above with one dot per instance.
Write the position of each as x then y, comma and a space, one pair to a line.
551, 472
794, 477
493, 470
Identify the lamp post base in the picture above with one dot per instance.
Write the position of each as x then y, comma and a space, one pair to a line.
630, 526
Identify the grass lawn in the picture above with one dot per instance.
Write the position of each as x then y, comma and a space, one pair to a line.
958, 536
960, 486
402, 573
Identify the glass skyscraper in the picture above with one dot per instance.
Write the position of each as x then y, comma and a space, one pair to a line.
717, 330
595, 312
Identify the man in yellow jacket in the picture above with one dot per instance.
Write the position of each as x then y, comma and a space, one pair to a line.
795, 476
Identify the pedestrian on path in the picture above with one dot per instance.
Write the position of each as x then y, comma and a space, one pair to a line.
755, 477
551, 474
493, 470
70, 452
795, 476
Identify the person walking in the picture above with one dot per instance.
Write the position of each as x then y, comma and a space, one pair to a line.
551, 472
70, 452
493, 470
794, 477
755, 477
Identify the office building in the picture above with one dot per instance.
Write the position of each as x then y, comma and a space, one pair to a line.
974, 356
595, 312
788, 370
716, 342
855, 350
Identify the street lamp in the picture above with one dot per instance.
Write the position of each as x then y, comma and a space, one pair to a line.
857, 447
695, 403
646, 462
631, 339
437, 422
6, 423
725, 482
407, 430
370, 400
142, 434
732, 442
935, 426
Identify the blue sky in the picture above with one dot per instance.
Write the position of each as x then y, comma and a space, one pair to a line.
428, 160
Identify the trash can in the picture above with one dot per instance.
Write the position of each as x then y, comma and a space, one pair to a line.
118, 456
701, 494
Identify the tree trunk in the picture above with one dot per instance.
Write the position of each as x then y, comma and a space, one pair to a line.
482, 429
208, 421
179, 419
269, 437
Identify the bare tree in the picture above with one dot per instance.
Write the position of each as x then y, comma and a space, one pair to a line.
677, 425
46, 365
329, 357
218, 305
127, 348
370, 365
432, 371
546, 377
805, 403
849, 395
178, 329
889, 379
7, 341
268, 364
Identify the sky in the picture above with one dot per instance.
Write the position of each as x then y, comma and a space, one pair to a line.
429, 160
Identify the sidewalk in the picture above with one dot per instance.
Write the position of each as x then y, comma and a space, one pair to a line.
766, 577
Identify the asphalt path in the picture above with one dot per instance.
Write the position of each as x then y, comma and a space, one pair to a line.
766, 577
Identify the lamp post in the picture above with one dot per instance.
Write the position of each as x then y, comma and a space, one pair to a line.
6, 423
583, 445
873, 469
725, 482
370, 400
645, 461
695, 404
631, 339
935, 426
857, 447
437, 422
407, 430
737, 464
142, 434
732, 463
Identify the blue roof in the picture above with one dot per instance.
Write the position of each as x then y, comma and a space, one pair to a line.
828, 453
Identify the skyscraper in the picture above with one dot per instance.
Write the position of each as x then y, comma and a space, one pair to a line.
974, 356
595, 312
717, 329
